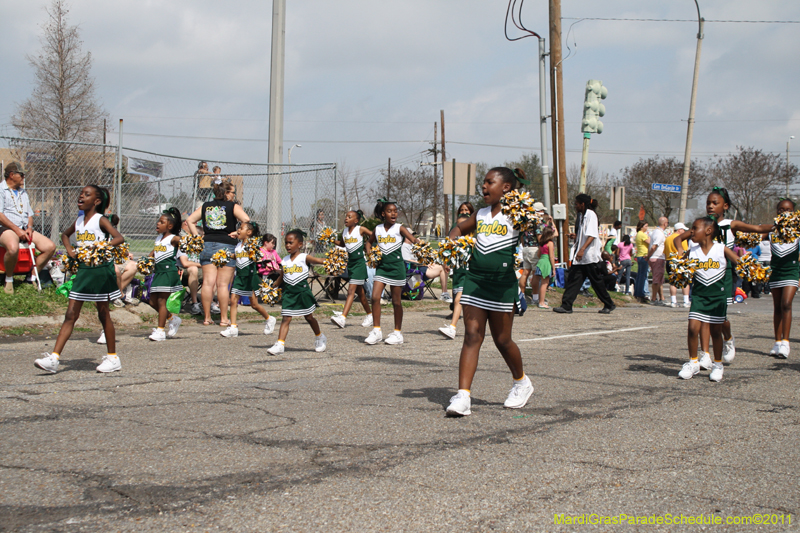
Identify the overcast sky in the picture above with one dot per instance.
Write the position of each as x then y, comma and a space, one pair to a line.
359, 70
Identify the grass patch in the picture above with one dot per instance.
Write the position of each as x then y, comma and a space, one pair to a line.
27, 301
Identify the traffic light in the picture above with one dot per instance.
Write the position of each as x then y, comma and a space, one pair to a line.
592, 108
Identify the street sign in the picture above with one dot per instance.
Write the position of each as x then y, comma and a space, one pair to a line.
666, 187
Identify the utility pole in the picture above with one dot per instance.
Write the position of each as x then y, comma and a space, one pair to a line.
788, 177
436, 174
444, 158
389, 180
557, 112
687, 155
275, 150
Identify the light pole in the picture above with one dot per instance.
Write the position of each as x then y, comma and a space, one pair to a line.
787, 164
687, 156
291, 184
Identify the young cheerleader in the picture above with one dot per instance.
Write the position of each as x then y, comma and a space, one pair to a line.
92, 283
783, 286
546, 265
465, 210
246, 282
709, 297
353, 240
165, 276
490, 292
297, 297
718, 203
391, 271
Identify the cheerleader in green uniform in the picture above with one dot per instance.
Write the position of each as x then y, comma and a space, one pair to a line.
353, 241
246, 282
391, 271
490, 292
165, 276
783, 286
298, 300
464, 211
92, 284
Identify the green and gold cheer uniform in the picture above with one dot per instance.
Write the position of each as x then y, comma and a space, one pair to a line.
165, 274
784, 265
709, 296
392, 269
247, 279
297, 297
93, 283
356, 262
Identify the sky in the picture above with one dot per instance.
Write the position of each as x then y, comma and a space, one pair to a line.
365, 81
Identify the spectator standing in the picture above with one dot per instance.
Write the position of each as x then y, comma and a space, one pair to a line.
613, 236
16, 224
317, 225
642, 250
624, 252
657, 260
765, 259
531, 252
670, 249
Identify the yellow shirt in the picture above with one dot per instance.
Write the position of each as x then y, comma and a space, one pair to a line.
642, 248
669, 245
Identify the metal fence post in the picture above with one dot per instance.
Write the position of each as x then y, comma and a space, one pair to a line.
119, 173
335, 198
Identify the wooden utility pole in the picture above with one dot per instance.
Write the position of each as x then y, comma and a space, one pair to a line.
389, 181
444, 158
436, 175
557, 112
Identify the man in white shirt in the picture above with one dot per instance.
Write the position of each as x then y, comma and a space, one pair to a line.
657, 259
586, 261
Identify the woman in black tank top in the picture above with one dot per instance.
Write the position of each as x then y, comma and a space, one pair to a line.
219, 218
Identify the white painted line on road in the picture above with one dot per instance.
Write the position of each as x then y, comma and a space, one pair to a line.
605, 332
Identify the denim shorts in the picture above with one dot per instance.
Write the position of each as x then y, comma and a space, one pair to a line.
210, 248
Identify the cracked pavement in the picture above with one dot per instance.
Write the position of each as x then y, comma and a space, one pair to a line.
202, 433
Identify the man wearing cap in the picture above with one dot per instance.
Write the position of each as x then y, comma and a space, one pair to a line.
16, 224
669, 248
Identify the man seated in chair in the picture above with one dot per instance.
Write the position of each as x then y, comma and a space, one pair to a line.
16, 224
428, 271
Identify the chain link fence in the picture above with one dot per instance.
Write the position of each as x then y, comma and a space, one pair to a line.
148, 183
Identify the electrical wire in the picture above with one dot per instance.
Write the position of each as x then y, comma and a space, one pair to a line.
512, 4
686, 20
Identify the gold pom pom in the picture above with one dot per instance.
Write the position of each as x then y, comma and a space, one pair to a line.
121, 253
681, 271
749, 269
374, 257
191, 244
787, 228
425, 254
457, 253
270, 294
327, 237
146, 265
221, 258
518, 207
336, 261
747, 240
96, 254
252, 247
68, 264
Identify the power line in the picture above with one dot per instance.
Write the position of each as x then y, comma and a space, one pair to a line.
687, 20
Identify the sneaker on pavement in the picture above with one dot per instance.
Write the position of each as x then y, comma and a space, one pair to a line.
446, 298
172, 326
320, 343
689, 369
48, 363
686, 305
118, 302
110, 363
783, 351
716, 372
215, 308
374, 336
561, 310
448, 331
728, 351
673, 304
269, 327
776, 348
102, 339
394, 337
339, 320
196, 309
705, 361
519, 394
367, 322
459, 405
337, 313
158, 335
230, 332
277, 348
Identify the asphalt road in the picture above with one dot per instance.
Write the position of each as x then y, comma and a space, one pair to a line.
202, 433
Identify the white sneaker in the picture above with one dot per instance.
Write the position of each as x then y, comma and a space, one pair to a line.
673, 305
689, 369
172, 326
686, 305
367, 322
102, 339
269, 327
775, 348
277, 348
339, 320
215, 308
448, 331
230, 332
118, 302
374, 336
783, 351
48, 363
320, 343
459, 405
728, 351
446, 298
716, 372
394, 337
110, 363
705, 361
196, 309
337, 313
519, 394
132, 301
158, 335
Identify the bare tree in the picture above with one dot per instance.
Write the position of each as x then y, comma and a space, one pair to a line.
412, 189
598, 186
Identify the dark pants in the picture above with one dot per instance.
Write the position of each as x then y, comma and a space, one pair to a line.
641, 277
575, 277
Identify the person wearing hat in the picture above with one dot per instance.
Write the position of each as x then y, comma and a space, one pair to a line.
16, 224
670, 249
530, 252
